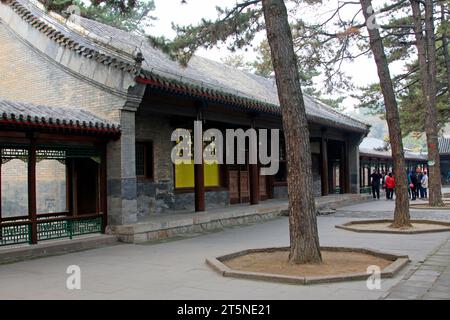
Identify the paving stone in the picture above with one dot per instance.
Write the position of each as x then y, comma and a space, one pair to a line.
406, 288
416, 283
436, 295
429, 279
440, 288
177, 269
427, 273
402, 296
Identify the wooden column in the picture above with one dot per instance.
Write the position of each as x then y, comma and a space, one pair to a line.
103, 189
363, 183
347, 176
74, 187
361, 175
199, 173
342, 171
254, 184
254, 175
32, 210
324, 161
69, 186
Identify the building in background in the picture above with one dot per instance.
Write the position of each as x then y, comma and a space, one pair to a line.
376, 154
101, 103
444, 154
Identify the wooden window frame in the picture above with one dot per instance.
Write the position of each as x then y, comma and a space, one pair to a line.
149, 164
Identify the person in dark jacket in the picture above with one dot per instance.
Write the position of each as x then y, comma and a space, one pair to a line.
419, 189
412, 178
375, 181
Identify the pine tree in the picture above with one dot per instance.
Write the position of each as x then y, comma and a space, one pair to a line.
241, 23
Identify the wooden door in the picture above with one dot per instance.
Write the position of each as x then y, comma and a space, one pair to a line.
244, 183
263, 194
233, 186
238, 185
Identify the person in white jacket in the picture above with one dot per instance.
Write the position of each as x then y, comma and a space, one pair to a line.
424, 186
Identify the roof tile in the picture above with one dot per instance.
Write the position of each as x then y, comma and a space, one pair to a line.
20, 113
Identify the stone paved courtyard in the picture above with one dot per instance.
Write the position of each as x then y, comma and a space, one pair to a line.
176, 269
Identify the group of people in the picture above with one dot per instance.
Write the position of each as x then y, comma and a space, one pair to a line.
418, 184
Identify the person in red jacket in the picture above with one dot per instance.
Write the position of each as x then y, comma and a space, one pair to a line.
390, 186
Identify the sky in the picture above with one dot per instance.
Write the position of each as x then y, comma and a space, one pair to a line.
362, 70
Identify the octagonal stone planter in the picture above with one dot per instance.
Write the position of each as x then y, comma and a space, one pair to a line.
441, 226
425, 206
218, 264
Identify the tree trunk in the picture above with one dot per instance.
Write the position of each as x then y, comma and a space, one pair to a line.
446, 25
302, 214
401, 213
426, 50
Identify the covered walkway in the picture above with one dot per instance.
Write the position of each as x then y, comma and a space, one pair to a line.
52, 172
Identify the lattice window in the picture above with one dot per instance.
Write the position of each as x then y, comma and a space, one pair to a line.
10, 154
140, 159
50, 154
144, 160
14, 234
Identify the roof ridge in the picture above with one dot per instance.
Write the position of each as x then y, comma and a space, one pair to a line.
63, 40
216, 90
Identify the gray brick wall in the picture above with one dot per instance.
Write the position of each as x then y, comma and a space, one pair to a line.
156, 196
30, 77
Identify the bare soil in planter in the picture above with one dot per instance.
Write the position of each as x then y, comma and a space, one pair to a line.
334, 263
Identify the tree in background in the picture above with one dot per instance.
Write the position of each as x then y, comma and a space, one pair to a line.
410, 37
401, 212
426, 48
400, 44
262, 66
130, 15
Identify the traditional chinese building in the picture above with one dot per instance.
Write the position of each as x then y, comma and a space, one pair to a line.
444, 154
87, 116
376, 154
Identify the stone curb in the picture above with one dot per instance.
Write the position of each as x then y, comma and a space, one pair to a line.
398, 262
348, 226
56, 247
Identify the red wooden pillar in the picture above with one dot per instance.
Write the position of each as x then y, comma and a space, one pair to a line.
346, 169
32, 210
324, 162
103, 189
361, 175
342, 170
254, 184
199, 173
254, 174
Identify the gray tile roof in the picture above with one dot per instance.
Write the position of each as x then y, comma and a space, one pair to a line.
369, 152
28, 114
444, 145
101, 41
